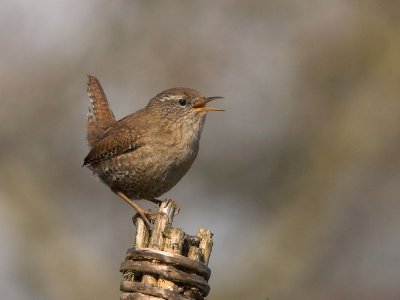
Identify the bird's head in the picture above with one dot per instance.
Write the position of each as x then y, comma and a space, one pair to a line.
182, 104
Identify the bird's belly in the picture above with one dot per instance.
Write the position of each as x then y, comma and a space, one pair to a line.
143, 174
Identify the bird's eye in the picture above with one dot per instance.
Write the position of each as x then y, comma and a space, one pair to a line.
182, 102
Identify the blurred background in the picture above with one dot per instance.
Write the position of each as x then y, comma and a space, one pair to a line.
298, 179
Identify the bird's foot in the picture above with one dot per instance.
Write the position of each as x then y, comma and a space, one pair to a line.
140, 211
147, 216
174, 203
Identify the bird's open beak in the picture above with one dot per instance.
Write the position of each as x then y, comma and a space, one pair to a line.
201, 106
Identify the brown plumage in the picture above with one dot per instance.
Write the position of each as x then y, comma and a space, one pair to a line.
145, 154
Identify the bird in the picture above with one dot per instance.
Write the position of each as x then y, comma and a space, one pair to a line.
145, 154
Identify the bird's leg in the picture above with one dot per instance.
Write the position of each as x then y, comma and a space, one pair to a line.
140, 211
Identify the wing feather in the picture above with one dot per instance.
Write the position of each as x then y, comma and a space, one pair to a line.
117, 140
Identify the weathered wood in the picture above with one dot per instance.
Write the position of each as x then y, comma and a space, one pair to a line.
165, 215
140, 296
173, 242
166, 263
166, 272
195, 254
206, 243
142, 233
173, 259
150, 291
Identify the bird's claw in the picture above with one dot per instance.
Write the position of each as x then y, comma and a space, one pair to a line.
148, 217
175, 204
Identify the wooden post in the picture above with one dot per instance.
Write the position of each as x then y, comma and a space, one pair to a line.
166, 263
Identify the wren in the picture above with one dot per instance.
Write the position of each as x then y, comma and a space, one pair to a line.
145, 154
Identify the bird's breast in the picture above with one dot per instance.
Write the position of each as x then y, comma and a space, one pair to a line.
180, 148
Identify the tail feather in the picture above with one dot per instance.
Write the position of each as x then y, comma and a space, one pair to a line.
100, 116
